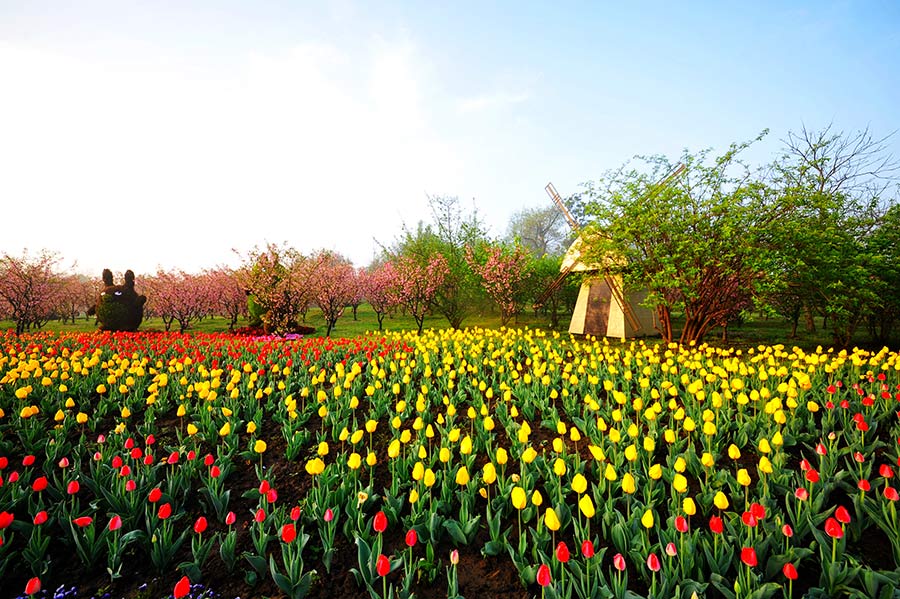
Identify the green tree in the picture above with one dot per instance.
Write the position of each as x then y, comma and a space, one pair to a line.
835, 189
541, 231
448, 235
699, 243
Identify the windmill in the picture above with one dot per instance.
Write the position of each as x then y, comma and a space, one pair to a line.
603, 308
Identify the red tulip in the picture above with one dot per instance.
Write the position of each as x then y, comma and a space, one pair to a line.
789, 571
116, 462
230, 518
748, 556
130, 485
859, 457
749, 519
129, 443
182, 587
295, 513
653, 562
288, 533
28, 460
863, 485
383, 565
155, 495
33, 586
208, 460
787, 531
200, 525
862, 426
833, 528
587, 549
264, 487
885, 471
191, 455
150, 440
13, 477
562, 552
619, 562
681, 524
165, 510
148, 460
4, 462
137, 453
801, 493
758, 510
125, 470
671, 551
820, 449
812, 475
842, 515
328, 516
173, 458
272, 496
260, 516
411, 537
39, 484
72, 488
83, 521
380, 522
891, 493
715, 525
115, 523
215, 471
5, 519
543, 575
831, 389
805, 465
64, 462
40, 518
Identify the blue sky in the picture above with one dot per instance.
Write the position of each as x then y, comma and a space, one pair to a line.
137, 135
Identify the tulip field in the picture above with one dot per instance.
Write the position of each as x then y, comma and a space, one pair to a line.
476, 463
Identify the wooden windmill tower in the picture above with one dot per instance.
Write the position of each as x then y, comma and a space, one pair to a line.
603, 308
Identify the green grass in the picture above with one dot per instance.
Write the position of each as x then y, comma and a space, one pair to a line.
753, 332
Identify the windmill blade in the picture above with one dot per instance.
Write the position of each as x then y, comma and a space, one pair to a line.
551, 191
552, 287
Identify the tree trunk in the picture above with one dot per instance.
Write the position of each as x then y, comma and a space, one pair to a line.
664, 316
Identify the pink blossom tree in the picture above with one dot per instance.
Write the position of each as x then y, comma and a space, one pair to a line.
334, 286
229, 297
380, 287
31, 288
503, 272
178, 297
78, 295
277, 279
418, 284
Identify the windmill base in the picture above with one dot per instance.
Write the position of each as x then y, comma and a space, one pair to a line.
597, 312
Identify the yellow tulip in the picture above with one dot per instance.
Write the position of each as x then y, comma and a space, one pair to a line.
559, 467
462, 476
631, 453
444, 454
428, 478
688, 506
743, 477
413, 496
610, 473
315, 466
502, 456
251, 427
465, 448
418, 471
225, 430
192, 429
81, 418
720, 500
586, 505
733, 452
764, 446
597, 453
647, 519
354, 461
528, 455
519, 498
628, 485
680, 464
371, 458
489, 473
551, 520
679, 483
765, 466
394, 448
579, 483
707, 459
536, 498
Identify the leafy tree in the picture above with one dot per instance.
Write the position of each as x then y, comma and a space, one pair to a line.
544, 271
448, 236
698, 243
230, 298
31, 288
835, 190
503, 271
541, 231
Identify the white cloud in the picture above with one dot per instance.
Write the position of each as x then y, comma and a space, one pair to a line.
491, 101
135, 162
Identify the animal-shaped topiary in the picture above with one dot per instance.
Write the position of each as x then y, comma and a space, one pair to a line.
119, 307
